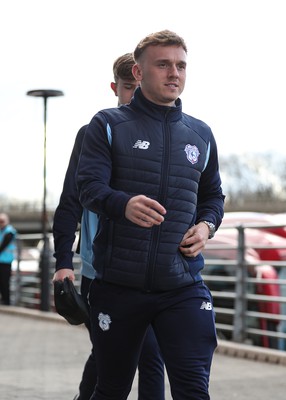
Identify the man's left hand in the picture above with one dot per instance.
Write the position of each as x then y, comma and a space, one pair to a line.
194, 240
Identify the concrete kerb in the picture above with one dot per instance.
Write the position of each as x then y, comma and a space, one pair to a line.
31, 313
232, 349
256, 353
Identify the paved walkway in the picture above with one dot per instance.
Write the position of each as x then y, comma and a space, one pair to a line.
42, 357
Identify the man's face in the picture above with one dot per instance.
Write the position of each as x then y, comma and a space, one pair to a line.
3, 221
124, 89
162, 73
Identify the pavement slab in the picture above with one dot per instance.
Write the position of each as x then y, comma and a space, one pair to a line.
42, 358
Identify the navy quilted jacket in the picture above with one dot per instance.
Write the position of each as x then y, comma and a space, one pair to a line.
166, 155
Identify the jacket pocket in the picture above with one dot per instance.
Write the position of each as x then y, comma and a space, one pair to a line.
195, 265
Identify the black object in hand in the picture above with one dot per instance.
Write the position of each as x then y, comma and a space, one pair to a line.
69, 303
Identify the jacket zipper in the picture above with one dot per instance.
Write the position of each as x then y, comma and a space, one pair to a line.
155, 235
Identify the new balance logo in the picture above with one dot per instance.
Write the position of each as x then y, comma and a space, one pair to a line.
206, 305
141, 144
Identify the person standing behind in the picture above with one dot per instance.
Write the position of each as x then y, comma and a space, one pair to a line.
159, 199
7, 253
68, 214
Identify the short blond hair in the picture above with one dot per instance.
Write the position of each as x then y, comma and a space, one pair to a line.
162, 38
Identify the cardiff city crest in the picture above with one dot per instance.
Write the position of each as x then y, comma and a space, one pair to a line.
192, 153
104, 321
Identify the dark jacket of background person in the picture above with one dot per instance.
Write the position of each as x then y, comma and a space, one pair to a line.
68, 212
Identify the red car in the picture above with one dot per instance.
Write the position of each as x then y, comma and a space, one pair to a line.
257, 218
269, 246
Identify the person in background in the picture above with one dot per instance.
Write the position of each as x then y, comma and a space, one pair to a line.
66, 218
158, 196
7, 254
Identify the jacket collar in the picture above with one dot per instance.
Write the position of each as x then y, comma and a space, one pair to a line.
156, 111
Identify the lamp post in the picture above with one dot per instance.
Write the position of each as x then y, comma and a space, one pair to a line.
45, 253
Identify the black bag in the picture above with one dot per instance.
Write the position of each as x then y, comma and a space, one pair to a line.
69, 303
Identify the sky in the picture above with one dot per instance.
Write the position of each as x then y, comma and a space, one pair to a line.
236, 80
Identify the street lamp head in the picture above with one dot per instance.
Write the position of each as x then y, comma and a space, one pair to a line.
45, 93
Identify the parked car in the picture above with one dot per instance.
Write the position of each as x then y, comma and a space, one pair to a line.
268, 245
257, 218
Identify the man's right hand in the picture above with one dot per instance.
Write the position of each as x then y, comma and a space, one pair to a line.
144, 211
61, 274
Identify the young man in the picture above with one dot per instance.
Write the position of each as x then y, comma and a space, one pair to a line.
158, 195
7, 254
67, 216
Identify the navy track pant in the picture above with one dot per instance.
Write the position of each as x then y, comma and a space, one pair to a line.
183, 322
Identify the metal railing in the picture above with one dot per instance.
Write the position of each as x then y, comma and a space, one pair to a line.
26, 275
250, 307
